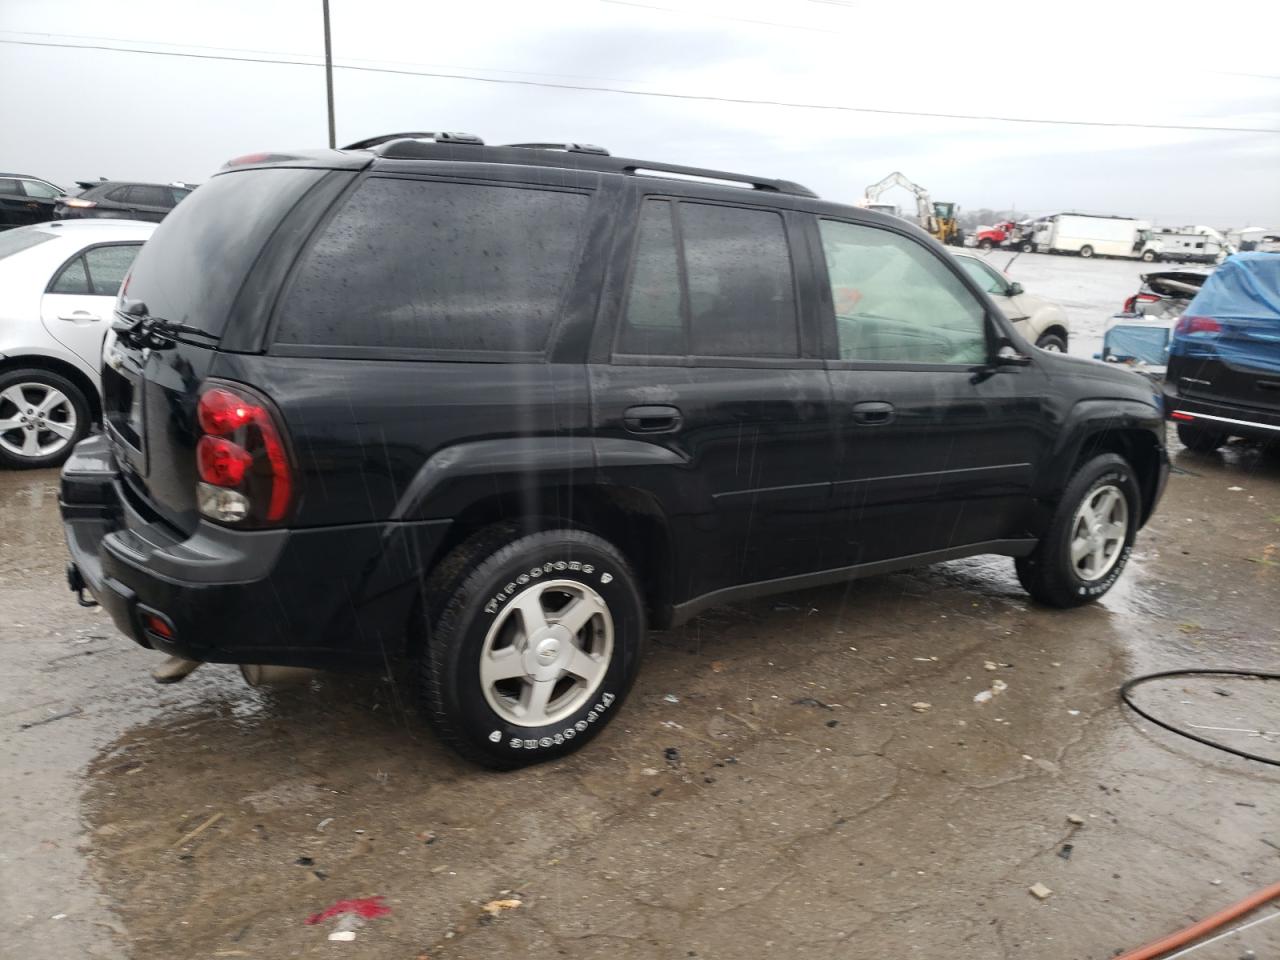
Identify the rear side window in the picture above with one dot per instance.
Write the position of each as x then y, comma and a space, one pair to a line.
108, 265
654, 321
741, 295
118, 195
36, 188
737, 298
149, 196
195, 263
432, 265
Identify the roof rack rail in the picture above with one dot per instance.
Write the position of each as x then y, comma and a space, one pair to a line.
645, 168
566, 147
418, 147
370, 142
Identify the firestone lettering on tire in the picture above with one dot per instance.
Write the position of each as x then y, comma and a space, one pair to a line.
551, 566
568, 733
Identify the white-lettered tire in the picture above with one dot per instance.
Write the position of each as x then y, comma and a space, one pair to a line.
1089, 538
535, 646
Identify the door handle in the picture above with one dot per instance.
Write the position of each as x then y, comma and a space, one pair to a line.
659, 418
872, 412
79, 316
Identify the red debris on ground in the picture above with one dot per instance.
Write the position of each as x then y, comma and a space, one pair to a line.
367, 907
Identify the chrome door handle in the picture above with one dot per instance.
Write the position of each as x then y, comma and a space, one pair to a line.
80, 316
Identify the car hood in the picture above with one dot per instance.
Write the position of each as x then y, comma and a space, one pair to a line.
1119, 382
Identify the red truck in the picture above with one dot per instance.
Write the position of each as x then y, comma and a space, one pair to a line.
1004, 234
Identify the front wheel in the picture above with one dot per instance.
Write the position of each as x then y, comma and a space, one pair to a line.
1026, 246
984, 244
42, 416
1148, 256
1086, 251
1053, 343
537, 644
1089, 538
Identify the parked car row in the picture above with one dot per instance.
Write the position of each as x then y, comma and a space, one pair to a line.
25, 200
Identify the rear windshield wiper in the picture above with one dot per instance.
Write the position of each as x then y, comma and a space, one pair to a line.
137, 328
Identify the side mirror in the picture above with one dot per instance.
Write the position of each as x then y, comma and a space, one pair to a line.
1008, 356
1015, 289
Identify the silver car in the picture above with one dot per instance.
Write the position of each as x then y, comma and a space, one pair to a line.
1041, 321
58, 285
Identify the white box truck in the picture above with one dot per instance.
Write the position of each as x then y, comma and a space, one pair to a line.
1091, 236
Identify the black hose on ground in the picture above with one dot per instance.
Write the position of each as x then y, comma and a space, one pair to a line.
1255, 674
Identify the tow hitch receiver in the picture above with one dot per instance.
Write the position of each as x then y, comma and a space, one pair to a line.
76, 582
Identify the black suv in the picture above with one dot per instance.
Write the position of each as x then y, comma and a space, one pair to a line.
25, 200
125, 201
497, 410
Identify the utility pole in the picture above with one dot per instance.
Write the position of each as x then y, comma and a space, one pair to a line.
328, 73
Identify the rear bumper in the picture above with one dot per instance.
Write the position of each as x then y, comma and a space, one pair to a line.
1232, 420
323, 597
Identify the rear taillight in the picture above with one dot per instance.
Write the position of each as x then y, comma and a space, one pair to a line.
245, 476
77, 202
1189, 325
1131, 305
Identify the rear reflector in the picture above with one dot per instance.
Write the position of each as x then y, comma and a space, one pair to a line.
1179, 415
156, 624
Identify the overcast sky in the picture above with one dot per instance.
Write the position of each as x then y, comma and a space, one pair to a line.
84, 113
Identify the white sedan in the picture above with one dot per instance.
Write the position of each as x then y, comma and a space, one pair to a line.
58, 285
1041, 321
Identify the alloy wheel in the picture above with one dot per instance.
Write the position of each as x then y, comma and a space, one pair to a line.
36, 420
1098, 532
546, 653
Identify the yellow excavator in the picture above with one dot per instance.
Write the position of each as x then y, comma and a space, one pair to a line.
940, 219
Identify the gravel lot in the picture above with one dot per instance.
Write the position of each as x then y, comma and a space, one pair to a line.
768, 791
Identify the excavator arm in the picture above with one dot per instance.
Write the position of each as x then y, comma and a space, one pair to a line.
924, 208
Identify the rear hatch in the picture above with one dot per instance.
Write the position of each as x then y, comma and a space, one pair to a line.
193, 271
1226, 347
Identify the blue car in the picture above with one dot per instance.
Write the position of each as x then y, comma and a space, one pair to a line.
1223, 379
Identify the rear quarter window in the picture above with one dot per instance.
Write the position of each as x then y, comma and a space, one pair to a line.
437, 266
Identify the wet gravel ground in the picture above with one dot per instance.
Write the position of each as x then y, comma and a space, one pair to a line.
768, 789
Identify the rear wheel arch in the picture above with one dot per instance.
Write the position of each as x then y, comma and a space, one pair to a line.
63, 369
629, 518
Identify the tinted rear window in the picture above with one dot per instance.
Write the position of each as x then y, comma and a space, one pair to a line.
196, 261
431, 265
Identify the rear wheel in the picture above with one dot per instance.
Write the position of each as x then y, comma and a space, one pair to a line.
1200, 439
42, 416
1086, 251
536, 644
1089, 538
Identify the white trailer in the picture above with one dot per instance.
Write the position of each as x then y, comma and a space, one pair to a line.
1091, 236
1196, 244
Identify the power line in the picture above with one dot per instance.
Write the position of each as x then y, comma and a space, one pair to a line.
665, 95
